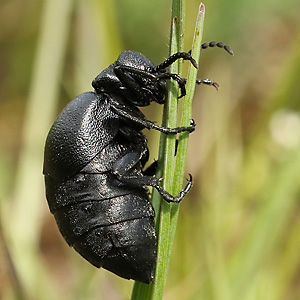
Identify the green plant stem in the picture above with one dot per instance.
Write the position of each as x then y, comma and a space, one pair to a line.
170, 120
166, 151
185, 121
168, 212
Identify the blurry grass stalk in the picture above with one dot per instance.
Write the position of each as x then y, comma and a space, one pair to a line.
172, 182
25, 216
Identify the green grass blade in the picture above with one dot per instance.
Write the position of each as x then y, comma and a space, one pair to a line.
185, 121
163, 238
169, 212
167, 145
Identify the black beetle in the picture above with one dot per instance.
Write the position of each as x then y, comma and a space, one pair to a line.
94, 158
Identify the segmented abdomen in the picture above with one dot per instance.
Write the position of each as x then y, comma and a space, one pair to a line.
108, 223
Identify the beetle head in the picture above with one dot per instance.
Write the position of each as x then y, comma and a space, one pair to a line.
133, 76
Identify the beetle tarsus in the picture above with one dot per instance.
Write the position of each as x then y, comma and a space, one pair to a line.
175, 199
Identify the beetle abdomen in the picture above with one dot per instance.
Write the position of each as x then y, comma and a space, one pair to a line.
125, 248
107, 222
95, 154
83, 187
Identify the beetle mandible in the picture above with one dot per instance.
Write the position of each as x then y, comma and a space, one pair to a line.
94, 159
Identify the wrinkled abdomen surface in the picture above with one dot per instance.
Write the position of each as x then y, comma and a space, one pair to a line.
110, 224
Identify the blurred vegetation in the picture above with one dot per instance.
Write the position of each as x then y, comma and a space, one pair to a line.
238, 233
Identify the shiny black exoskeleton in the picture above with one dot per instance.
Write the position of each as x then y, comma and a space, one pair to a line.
95, 153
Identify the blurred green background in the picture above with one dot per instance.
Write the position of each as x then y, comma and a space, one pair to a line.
238, 233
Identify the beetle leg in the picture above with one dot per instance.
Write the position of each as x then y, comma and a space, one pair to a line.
126, 172
169, 198
127, 163
125, 113
173, 58
133, 86
206, 82
124, 74
140, 180
181, 82
122, 70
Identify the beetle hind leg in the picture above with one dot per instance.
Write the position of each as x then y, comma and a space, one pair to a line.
127, 170
175, 199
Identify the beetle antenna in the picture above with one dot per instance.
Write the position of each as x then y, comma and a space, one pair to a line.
219, 44
173, 58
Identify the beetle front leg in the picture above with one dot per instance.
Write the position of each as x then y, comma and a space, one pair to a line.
181, 82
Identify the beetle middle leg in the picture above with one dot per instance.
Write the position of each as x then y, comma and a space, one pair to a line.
127, 114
